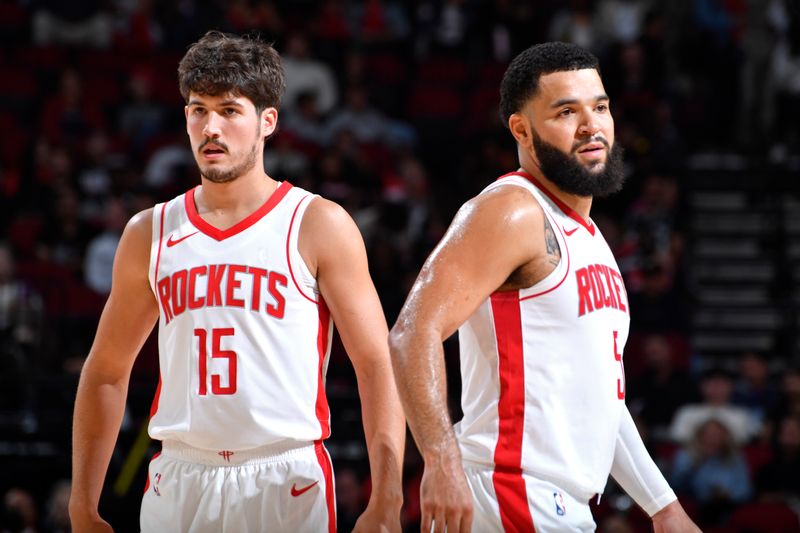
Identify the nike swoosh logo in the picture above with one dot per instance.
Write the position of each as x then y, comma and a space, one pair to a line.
297, 492
570, 232
171, 242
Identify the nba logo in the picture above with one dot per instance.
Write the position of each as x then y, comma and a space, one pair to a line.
560, 508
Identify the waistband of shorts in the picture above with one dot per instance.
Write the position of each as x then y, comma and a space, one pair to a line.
579, 493
271, 453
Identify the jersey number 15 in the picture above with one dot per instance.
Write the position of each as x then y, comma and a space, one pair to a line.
216, 353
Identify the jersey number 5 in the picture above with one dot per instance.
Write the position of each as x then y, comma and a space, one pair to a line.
216, 353
621, 381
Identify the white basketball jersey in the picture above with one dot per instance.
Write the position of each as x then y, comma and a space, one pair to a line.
244, 335
541, 367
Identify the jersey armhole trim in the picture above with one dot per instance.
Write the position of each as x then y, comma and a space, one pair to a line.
288, 253
160, 241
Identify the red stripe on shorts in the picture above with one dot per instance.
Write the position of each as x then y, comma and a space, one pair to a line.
327, 471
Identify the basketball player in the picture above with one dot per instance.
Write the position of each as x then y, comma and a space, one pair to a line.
245, 275
527, 279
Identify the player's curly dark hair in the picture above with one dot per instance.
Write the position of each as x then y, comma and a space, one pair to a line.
244, 66
521, 79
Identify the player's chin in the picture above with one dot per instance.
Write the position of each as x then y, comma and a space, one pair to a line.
595, 167
211, 168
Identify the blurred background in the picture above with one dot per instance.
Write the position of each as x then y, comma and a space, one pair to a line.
391, 110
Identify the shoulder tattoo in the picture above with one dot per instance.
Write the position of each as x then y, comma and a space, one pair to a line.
553, 250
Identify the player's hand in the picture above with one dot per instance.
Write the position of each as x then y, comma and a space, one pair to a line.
446, 500
378, 518
673, 519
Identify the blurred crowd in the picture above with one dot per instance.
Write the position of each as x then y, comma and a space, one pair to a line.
390, 110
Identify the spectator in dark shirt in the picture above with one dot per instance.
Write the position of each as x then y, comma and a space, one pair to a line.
783, 472
754, 390
662, 388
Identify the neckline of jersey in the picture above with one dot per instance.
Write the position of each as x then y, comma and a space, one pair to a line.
571, 213
221, 234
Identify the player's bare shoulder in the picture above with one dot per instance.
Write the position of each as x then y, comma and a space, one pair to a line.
140, 227
522, 218
142, 221
502, 215
327, 231
136, 240
511, 203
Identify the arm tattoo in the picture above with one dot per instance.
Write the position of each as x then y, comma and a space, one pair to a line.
553, 250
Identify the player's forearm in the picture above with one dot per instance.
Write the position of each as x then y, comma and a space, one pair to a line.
384, 429
418, 361
386, 470
636, 472
99, 408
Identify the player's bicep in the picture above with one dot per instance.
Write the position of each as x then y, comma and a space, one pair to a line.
487, 241
332, 239
131, 309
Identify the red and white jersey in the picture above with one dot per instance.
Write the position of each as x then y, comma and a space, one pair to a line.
543, 384
244, 335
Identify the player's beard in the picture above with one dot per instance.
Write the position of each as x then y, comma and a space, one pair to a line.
221, 175
572, 177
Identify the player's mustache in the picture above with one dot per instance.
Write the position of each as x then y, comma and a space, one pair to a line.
596, 139
218, 144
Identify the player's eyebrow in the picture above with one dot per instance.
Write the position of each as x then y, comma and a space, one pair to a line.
224, 103
573, 101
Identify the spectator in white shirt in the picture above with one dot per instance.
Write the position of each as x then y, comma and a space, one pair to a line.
303, 73
716, 388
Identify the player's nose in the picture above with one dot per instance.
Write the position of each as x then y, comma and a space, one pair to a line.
588, 127
212, 125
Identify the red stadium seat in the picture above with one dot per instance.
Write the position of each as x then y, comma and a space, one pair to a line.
103, 89
437, 101
19, 83
442, 69
385, 68
765, 517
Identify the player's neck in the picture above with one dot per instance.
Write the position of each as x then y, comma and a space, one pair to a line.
580, 204
237, 198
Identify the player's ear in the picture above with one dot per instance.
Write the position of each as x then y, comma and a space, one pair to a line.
269, 121
520, 127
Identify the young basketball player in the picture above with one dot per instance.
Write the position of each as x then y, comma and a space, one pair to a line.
246, 276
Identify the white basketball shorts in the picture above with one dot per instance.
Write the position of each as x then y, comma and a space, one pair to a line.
519, 503
281, 488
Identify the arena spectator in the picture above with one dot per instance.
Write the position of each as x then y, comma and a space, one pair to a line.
716, 388
99, 258
71, 115
782, 473
754, 388
304, 73
662, 387
712, 470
